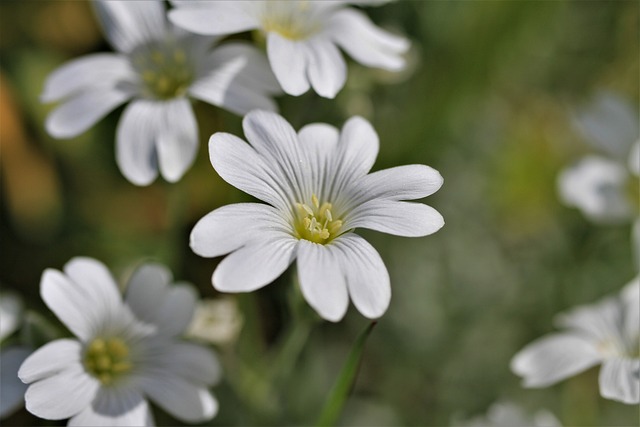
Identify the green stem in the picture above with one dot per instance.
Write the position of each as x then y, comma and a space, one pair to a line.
343, 386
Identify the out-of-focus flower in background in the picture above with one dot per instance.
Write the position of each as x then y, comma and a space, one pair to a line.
123, 351
318, 190
216, 321
606, 333
11, 388
509, 414
302, 38
605, 186
158, 67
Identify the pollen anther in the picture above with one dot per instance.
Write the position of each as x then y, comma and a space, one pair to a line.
316, 222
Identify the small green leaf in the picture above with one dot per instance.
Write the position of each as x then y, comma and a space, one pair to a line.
343, 386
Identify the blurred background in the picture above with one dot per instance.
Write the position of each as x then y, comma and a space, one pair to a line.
487, 100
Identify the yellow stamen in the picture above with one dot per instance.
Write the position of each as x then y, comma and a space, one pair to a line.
107, 359
316, 223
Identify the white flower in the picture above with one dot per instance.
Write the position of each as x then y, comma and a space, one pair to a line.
10, 314
605, 333
11, 389
318, 191
508, 414
216, 321
604, 187
124, 351
302, 37
158, 67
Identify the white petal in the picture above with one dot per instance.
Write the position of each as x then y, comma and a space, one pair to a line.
100, 69
71, 303
553, 358
80, 112
146, 289
232, 226
367, 277
12, 389
239, 164
397, 218
97, 283
600, 322
365, 42
136, 152
596, 186
326, 67
238, 78
11, 308
50, 359
634, 159
609, 123
182, 399
154, 301
620, 380
288, 61
635, 241
129, 24
401, 183
254, 266
62, 395
631, 303
357, 151
195, 363
115, 407
177, 142
277, 143
321, 280
318, 142
215, 18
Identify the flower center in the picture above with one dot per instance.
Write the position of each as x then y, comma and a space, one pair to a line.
107, 359
291, 19
316, 223
165, 70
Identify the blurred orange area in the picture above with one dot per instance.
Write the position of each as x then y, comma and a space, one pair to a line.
31, 185
66, 25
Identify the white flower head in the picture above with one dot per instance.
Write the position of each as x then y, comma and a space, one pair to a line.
302, 37
158, 67
598, 187
605, 186
10, 314
606, 333
318, 190
124, 351
216, 321
508, 414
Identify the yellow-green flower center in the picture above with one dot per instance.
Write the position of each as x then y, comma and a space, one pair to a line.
166, 71
291, 19
315, 222
107, 359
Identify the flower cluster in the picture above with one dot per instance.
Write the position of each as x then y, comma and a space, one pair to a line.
314, 189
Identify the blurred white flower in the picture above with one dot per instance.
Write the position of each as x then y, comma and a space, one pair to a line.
10, 314
158, 67
318, 191
605, 333
124, 351
601, 187
302, 37
217, 321
508, 414
11, 388
598, 187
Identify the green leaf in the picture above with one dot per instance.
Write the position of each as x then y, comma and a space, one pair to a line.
343, 386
